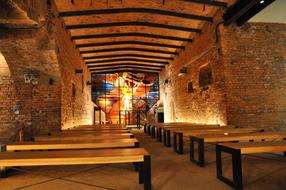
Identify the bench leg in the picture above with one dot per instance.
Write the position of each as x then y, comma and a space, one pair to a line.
147, 172
148, 129
285, 151
165, 137
160, 134
201, 156
136, 166
236, 166
3, 172
181, 143
136, 144
140, 172
154, 132
168, 140
145, 127
158, 131
175, 141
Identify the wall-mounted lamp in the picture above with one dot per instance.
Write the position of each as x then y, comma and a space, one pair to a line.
167, 81
182, 71
78, 71
88, 83
31, 78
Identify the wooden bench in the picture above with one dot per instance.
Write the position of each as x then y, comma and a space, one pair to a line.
167, 131
58, 145
94, 131
82, 157
78, 137
202, 139
155, 128
179, 134
236, 149
91, 127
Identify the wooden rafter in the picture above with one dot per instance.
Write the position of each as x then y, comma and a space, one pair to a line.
129, 49
128, 55
130, 34
208, 2
129, 43
135, 10
147, 24
130, 64
124, 68
128, 60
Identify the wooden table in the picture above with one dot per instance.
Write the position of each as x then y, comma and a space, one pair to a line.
79, 137
82, 157
236, 149
58, 145
179, 134
207, 138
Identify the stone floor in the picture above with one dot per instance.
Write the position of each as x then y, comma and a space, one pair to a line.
169, 172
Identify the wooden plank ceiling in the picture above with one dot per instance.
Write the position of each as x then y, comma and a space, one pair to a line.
134, 35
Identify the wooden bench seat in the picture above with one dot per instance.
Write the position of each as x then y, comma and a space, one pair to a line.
94, 131
58, 145
150, 128
179, 134
83, 137
236, 149
82, 157
168, 131
93, 128
202, 139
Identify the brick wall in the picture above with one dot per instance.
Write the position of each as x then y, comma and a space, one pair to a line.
47, 105
38, 104
77, 109
249, 78
200, 106
255, 72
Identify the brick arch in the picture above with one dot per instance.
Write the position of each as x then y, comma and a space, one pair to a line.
8, 102
39, 103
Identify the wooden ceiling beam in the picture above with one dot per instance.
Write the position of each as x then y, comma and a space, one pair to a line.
135, 10
126, 68
208, 2
128, 55
130, 49
93, 73
154, 36
128, 60
131, 64
152, 44
136, 23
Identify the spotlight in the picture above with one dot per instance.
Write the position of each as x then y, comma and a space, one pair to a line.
262, 1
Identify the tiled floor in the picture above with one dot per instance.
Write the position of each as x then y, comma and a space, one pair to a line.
169, 172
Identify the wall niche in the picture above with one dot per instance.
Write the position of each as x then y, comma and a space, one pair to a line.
205, 76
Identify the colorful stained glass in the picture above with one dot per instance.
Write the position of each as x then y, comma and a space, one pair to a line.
121, 95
